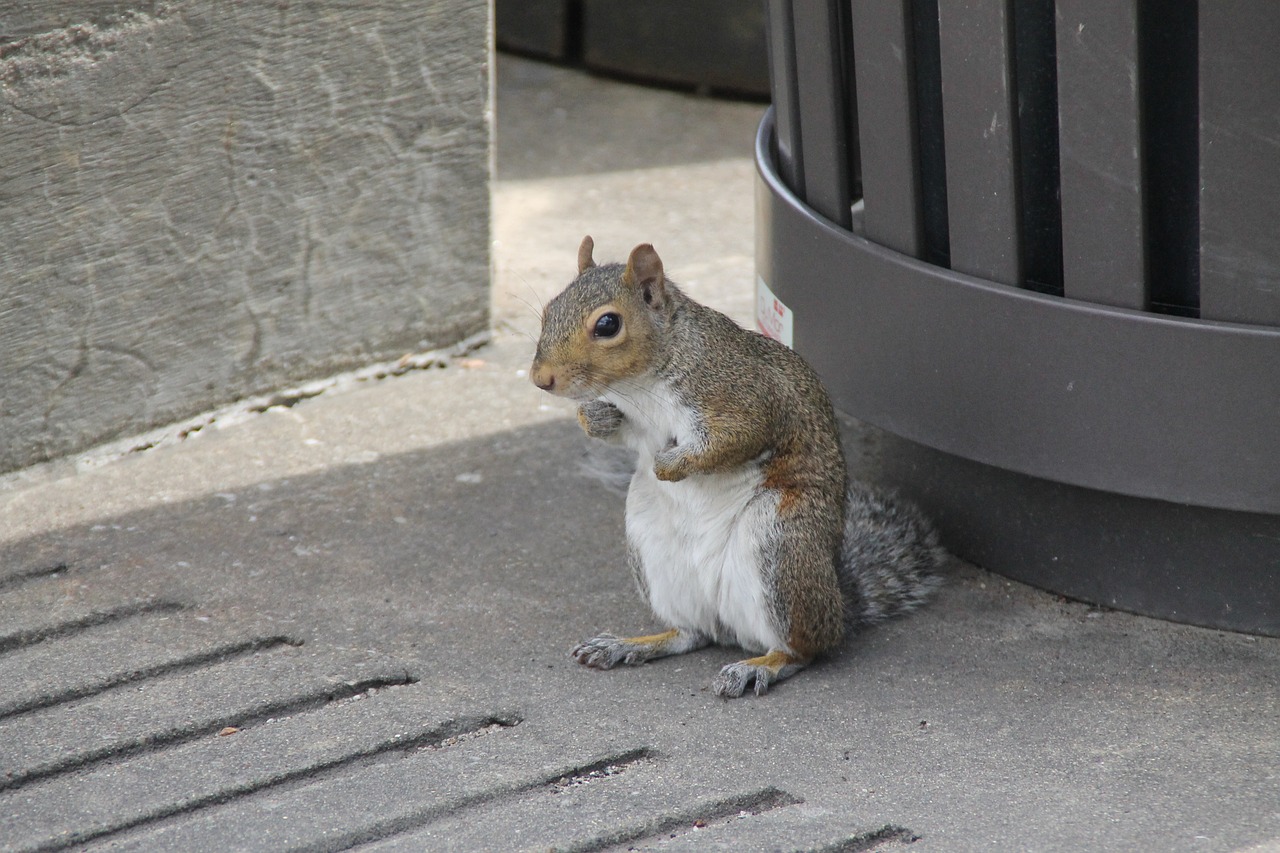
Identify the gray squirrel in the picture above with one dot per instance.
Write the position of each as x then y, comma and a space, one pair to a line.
742, 525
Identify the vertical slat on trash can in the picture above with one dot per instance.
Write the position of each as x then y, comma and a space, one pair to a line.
887, 119
822, 81
978, 120
1099, 144
1239, 148
782, 84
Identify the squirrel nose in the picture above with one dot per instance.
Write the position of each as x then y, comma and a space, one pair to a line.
543, 377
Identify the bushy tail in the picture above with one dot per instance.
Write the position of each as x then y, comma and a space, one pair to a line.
889, 559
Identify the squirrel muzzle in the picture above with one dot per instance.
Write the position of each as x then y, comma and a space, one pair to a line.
544, 377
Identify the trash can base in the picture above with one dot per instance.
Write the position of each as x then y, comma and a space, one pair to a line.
1207, 567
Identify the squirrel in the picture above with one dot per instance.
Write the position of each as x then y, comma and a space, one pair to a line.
742, 525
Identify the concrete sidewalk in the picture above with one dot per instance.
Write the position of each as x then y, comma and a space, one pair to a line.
344, 621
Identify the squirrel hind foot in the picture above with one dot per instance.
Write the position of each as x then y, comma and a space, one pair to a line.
761, 671
603, 652
607, 650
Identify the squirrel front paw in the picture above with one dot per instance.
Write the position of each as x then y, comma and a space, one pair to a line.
671, 465
599, 418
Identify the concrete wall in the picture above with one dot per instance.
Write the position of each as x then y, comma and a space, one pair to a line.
201, 201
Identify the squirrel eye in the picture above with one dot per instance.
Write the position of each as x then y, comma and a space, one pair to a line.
607, 326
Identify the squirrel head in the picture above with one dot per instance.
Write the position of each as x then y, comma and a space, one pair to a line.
606, 326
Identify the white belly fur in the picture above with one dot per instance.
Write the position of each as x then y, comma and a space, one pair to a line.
699, 540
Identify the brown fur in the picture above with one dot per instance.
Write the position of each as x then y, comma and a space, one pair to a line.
653, 639
775, 660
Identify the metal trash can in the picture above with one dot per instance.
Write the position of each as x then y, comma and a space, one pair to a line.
1037, 245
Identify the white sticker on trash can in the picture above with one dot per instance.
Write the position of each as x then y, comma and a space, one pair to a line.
773, 319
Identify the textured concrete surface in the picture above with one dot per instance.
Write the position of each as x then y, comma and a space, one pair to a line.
204, 201
344, 623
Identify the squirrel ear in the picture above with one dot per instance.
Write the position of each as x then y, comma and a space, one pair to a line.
644, 270
585, 261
